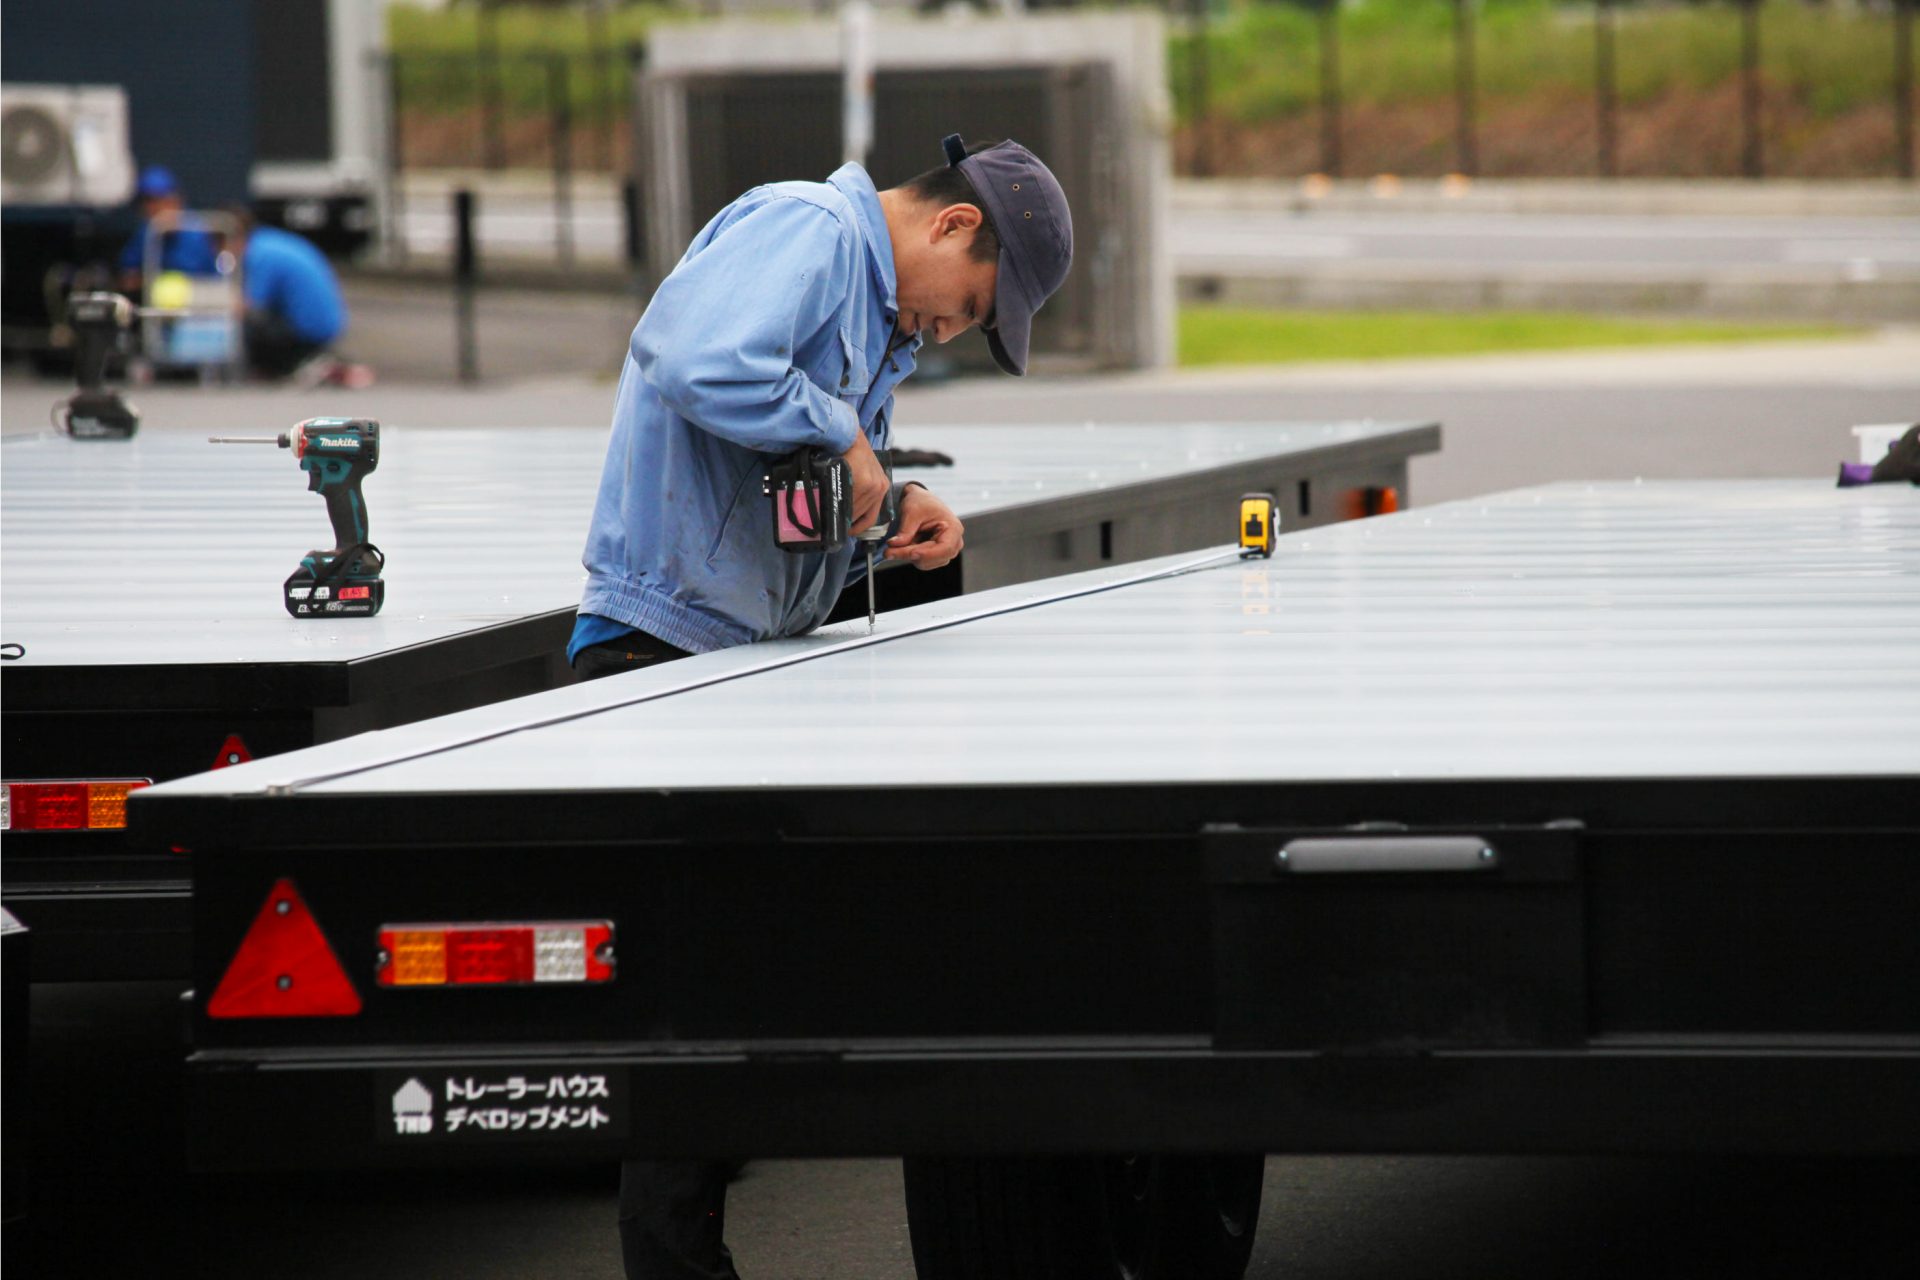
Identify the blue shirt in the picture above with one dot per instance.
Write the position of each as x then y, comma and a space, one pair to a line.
189, 247
772, 333
284, 274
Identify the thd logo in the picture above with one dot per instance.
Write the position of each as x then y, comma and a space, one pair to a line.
413, 1108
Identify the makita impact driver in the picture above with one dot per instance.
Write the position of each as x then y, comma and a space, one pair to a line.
812, 493
337, 454
94, 411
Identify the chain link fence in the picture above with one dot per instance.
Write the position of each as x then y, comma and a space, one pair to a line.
1602, 89
1493, 88
1521, 89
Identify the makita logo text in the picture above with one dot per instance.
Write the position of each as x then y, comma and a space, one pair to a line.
337, 442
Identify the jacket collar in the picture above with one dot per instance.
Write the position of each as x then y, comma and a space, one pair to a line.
853, 182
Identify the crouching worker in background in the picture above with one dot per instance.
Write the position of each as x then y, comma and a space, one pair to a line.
294, 310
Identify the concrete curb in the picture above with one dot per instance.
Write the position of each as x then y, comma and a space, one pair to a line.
1665, 197
1745, 294
1691, 197
1736, 292
1751, 295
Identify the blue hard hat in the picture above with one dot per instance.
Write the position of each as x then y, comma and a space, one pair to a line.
157, 180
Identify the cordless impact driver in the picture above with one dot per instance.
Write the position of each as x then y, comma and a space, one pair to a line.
344, 579
812, 493
96, 411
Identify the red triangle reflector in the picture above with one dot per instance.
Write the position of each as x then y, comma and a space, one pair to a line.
232, 751
284, 967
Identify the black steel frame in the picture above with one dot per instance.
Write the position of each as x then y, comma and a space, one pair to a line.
101, 908
1066, 969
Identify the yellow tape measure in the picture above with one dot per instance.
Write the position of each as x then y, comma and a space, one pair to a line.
1259, 520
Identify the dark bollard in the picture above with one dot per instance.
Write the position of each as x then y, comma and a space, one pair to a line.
465, 269
630, 208
635, 249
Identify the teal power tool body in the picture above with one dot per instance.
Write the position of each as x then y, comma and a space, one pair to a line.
337, 454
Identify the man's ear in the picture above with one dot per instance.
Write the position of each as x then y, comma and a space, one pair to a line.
955, 218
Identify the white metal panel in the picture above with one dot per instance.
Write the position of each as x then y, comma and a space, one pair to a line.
1698, 630
166, 549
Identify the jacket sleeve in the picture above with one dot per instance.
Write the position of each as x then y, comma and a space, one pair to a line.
717, 342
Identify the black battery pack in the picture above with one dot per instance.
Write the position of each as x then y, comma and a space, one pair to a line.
337, 585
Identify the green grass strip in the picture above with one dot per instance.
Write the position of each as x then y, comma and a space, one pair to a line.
1229, 335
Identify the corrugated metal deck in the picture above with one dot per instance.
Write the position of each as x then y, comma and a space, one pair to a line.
169, 550
1639, 631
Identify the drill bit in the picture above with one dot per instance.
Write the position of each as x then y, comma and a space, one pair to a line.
282, 441
873, 536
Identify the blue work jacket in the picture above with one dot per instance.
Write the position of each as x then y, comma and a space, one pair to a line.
772, 332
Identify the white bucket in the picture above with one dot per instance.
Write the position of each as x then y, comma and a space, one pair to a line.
1876, 440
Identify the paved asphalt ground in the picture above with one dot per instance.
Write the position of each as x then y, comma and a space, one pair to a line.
111, 1196
1225, 240
1814, 250
1767, 409
1211, 230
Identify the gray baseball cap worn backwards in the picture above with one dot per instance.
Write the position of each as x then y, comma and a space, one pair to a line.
1029, 211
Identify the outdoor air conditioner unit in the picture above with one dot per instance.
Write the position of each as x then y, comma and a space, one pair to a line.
64, 144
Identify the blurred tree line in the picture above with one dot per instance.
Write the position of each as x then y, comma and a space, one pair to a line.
1805, 88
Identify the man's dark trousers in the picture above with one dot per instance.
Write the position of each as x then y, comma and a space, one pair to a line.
274, 350
672, 1212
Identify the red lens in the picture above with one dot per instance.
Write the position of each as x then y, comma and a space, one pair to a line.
284, 967
480, 956
60, 806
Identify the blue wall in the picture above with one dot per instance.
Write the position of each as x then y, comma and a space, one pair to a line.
187, 67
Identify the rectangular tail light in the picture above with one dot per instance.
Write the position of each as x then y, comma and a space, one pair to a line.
96, 804
495, 955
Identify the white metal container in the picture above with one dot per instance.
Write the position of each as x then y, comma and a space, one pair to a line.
1877, 438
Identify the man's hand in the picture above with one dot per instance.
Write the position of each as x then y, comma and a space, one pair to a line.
869, 483
930, 534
